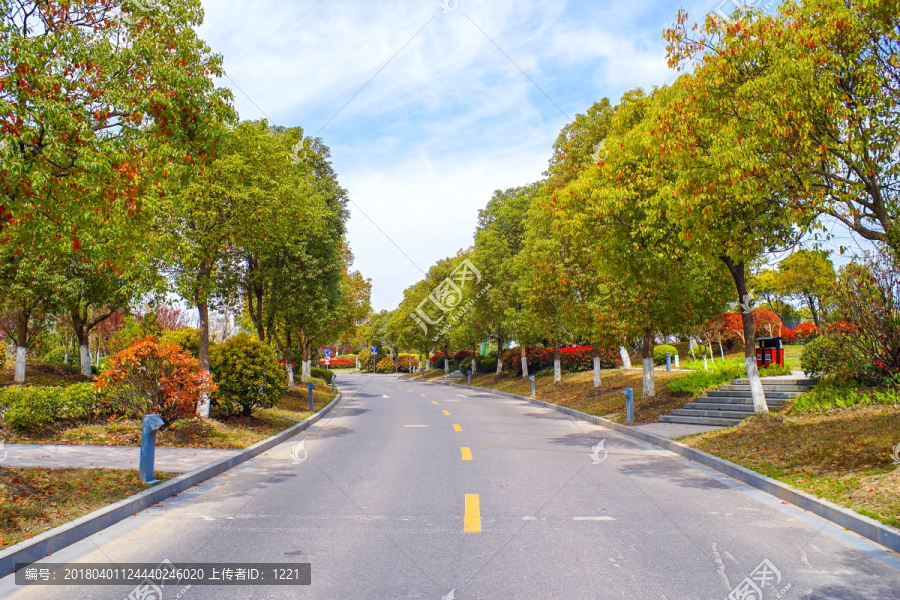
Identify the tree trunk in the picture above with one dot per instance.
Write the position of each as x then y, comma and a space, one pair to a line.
524, 362
288, 367
812, 308
21, 346
306, 370
499, 354
79, 325
721, 351
203, 310
474, 362
756, 388
626, 357
557, 364
648, 383
596, 356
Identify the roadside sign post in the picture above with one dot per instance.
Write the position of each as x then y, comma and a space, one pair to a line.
629, 405
151, 425
312, 402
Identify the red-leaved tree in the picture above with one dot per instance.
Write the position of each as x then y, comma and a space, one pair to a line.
156, 377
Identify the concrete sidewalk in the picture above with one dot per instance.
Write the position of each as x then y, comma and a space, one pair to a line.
675, 430
169, 460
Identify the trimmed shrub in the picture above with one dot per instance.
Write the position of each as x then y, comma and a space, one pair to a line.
365, 360
486, 364
659, 353
830, 357
32, 407
153, 377
188, 338
4, 355
57, 356
805, 332
581, 358
404, 361
385, 365
700, 351
247, 374
788, 336
536, 357
462, 355
323, 374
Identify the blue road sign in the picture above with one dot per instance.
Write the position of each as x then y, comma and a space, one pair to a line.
327, 352
374, 350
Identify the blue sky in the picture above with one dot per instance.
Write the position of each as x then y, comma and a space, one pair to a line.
449, 118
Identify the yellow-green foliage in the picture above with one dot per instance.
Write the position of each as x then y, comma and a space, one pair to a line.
248, 375
188, 338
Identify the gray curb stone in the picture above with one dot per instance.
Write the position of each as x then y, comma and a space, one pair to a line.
855, 522
56, 539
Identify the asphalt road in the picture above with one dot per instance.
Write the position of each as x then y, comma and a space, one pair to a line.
384, 502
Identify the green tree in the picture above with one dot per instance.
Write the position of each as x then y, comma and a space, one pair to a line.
499, 238
809, 275
652, 281
735, 193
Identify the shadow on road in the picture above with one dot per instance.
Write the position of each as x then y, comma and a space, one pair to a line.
673, 472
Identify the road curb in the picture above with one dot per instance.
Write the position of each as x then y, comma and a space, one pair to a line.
844, 517
56, 539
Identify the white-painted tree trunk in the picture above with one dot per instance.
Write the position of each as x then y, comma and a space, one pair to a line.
446, 365
203, 406
306, 371
712, 356
721, 352
428, 364
596, 372
557, 370
499, 366
756, 388
289, 369
626, 358
647, 380
524, 367
474, 366
19, 375
85, 352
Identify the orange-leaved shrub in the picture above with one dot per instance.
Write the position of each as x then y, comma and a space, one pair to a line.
156, 377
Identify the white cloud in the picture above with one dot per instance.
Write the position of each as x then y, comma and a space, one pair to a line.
450, 119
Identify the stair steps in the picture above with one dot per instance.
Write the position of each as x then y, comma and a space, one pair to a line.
732, 403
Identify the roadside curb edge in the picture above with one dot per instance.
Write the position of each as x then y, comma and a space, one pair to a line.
41, 546
844, 517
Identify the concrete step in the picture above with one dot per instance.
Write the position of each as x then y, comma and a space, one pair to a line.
700, 421
713, 414
733, 407
790, 389
708, 403
766, 381
746, 394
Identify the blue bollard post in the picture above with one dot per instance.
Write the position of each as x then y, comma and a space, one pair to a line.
148, 446
312, 402
629, 405
531, 379
333, 377
668, 361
